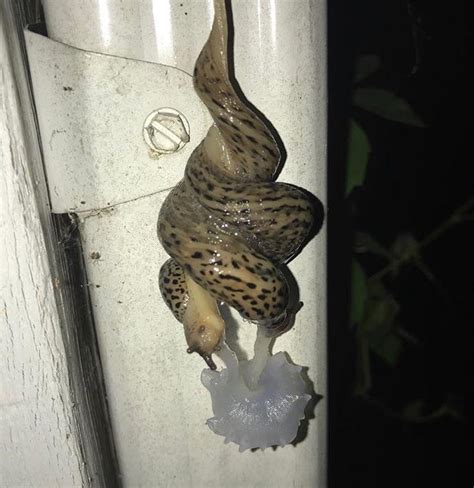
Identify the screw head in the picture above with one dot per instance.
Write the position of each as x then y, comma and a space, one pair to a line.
166, 130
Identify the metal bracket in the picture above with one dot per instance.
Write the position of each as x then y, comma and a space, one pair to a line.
91, 110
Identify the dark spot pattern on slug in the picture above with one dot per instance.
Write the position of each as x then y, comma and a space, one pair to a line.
175, 295
228, 224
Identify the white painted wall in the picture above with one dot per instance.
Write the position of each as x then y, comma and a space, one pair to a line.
38, 440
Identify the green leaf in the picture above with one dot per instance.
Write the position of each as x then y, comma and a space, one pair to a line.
380, 315
363, 377
405, 246
365, 66
357, 157
404, 249
387, 105
378, 324
417, 412
365, 243
389, 348
359, 293
413, 411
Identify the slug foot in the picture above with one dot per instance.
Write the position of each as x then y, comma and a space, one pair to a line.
257, 403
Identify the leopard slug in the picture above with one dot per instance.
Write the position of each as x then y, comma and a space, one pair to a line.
228, 226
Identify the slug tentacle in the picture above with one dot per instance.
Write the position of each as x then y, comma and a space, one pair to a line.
227, 225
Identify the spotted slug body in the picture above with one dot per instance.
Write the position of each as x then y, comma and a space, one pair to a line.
228, 225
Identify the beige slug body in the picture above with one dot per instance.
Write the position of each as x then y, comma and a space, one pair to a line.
228, 225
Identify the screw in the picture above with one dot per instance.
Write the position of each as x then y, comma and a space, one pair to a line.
166, 130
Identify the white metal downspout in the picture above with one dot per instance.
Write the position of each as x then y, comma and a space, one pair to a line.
158, 405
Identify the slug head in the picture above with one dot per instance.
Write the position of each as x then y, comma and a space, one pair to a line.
203, 324
204, 338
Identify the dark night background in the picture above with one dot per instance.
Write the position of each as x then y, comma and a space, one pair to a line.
416, 178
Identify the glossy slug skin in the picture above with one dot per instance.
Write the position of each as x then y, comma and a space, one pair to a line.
228, 225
